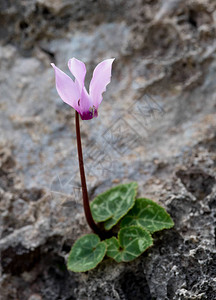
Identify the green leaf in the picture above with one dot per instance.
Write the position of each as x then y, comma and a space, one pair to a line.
112, 205
149, 215
132, 241
86, 253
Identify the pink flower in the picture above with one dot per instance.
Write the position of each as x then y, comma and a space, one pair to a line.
75, 94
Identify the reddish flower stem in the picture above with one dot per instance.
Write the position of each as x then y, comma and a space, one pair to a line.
86, 205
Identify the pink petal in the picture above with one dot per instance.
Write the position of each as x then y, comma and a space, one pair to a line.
100, 79
87, 111
66, 88
85, 101
78, 70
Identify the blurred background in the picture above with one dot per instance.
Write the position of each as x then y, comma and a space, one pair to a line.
156, 125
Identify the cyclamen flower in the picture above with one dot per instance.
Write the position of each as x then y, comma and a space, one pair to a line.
75, 94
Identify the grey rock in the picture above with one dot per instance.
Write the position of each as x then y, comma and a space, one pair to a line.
156, 126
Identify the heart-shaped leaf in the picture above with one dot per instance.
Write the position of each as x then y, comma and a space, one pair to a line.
132, 241
86, 253
113, 204
149, 215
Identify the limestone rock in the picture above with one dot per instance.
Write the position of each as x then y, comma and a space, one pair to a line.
156, 126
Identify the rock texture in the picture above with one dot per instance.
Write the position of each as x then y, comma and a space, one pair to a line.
156, 125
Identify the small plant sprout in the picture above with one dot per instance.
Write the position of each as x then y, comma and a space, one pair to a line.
122, 225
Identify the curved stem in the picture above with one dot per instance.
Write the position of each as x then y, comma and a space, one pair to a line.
86, 205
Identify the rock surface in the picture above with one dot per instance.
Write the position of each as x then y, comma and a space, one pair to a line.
156, 125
